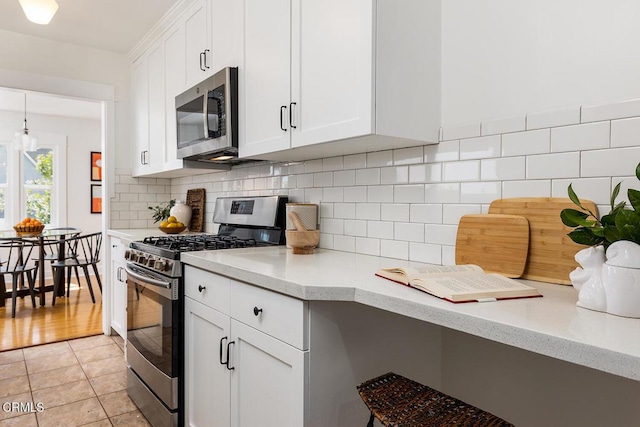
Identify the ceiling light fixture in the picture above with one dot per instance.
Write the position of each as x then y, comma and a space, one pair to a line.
24, 141
39, 11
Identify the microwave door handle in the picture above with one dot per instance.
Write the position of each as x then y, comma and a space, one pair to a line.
205, 114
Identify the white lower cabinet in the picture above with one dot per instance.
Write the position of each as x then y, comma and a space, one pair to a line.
118, 288
236, 374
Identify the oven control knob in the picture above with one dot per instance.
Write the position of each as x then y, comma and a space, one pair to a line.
151, 262
142, 259
168, 265
160, 265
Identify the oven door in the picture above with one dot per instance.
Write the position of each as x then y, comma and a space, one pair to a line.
154, 319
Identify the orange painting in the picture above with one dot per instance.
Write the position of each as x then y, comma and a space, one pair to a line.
96, 198
96, 166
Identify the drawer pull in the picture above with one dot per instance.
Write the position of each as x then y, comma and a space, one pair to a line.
201, 288
257, 311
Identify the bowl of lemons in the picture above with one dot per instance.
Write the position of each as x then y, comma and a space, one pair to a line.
29, 227
172, 226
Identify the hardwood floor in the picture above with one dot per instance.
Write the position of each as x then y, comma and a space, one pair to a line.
73, 317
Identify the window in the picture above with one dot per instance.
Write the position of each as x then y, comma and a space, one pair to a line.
33, 183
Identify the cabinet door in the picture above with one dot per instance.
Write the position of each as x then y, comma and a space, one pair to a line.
140, 115
332, 70
268, 380
156, 106
265, 79
174, 83
226, 33
197, 43
118, 289
207, 399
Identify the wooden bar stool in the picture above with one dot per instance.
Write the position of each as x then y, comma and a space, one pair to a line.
397, 401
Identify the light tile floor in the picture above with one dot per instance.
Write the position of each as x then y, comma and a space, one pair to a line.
81, 382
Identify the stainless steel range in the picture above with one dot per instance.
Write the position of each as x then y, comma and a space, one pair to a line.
155, 301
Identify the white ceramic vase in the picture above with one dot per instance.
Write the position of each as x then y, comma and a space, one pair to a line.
182, 212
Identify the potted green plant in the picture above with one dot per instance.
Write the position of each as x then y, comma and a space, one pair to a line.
162, 211
609, 277
621, 223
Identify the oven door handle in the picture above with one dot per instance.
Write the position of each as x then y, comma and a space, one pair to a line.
147, 280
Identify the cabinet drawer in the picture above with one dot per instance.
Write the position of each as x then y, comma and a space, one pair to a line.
280, 316
208, 288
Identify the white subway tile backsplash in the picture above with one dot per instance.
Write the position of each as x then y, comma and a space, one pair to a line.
480, 148
626, 183
462, 171
325, 210
344, 178
597, 190
503, 169
395, 212
523, 143
448, 255
326, 241
422, 252
442, 234
332, 226
304, 181
458, 132
313, 166
394, 175
355, 161
504, 125
355, 194
394, 249
311, 195
447, 151
408, 156
370, 211
409, 231
380, 229
532, 188
612, 111
368, 176
613, 162
479, 192
380, 158
332, 194
380, 193
547, 119
408, 193
442, 193
344, 243
425, 173
431, 213
355, 227
323, 179
344, 210
451, 214
547, 166
580, 137
625, 133
333, 163
368, 246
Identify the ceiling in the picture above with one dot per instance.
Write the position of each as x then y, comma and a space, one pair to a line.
113, 25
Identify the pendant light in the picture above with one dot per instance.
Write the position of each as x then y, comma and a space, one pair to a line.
24, 141
39, 11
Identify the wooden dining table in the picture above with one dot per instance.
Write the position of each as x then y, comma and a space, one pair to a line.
47, 237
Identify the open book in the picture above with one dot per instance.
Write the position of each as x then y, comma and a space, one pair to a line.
459, 283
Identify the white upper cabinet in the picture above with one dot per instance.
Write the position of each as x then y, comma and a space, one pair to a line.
175, 82
198, 43
361, 72
156, 77
226, 33
140, 115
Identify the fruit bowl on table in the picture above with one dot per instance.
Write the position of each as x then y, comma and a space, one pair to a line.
172, 230
28, 230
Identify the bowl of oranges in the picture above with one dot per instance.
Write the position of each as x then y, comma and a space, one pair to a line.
172, 226
29, 227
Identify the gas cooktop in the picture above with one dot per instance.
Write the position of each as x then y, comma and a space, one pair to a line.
197, 242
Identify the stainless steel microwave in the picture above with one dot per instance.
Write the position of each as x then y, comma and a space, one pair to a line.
207, 119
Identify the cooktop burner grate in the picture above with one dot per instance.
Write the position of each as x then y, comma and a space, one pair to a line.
198, 242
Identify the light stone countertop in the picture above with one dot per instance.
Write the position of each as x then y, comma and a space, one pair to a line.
551, 325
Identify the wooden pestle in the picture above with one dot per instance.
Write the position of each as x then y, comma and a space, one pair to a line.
296, 221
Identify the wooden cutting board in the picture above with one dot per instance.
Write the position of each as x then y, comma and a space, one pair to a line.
551, 251
497, 243
196, 200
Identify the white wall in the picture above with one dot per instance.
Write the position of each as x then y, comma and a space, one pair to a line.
83, 136
19, 52
502, 58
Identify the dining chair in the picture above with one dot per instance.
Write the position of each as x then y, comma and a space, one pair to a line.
15, 257
85, 252
56, 249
